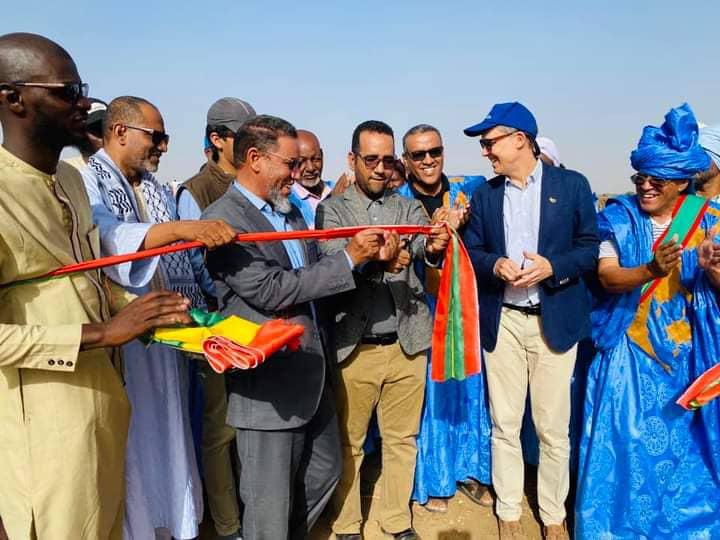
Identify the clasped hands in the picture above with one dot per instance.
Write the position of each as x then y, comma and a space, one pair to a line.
387, 247
527, 276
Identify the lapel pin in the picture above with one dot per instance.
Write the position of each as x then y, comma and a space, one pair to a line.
552, 200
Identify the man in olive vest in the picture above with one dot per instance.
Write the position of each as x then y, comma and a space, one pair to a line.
224, 118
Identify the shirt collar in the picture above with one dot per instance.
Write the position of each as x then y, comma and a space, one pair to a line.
535, 175
303, 193
256, 201
367, 201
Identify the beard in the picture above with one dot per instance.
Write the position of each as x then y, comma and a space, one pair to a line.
309, 183
280, 203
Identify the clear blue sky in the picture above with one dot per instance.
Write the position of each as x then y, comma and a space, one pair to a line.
593, 74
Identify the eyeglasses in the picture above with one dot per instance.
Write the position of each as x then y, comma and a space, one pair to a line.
158, 137
69, 91
374, 160
419, 155
639, 179
487, 144
293, 164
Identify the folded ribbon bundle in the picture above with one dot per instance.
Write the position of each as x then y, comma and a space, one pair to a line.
230, 342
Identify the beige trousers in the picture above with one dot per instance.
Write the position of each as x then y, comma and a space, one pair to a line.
217, 439
382, 377
520, 360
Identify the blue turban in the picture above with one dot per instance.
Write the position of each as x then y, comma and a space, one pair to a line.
710, 141
671, 151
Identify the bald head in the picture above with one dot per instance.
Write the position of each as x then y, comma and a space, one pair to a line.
125, 110
29, 57
41, 118
312, 165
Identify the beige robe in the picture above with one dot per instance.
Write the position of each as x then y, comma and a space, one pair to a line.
63, 412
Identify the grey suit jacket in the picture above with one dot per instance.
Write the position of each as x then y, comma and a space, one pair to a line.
257, 282
351, 309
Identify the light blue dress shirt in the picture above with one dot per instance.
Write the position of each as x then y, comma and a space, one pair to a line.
279, 223
187, 206
521, 217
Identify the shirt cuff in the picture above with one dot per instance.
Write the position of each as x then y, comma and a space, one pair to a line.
435, 264
349, 260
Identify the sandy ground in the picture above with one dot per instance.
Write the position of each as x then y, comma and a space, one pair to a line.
464, 520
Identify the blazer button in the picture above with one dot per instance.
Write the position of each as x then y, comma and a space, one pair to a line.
61, 362
69, 363
51, 362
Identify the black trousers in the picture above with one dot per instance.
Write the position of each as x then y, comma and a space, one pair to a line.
288, 476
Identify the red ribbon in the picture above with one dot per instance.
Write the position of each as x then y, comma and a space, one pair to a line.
323, 234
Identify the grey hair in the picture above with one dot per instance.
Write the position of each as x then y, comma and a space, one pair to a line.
416, 130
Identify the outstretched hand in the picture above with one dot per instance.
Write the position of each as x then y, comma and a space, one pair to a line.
153, 310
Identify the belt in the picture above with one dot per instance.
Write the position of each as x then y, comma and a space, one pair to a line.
380, 339
527, 310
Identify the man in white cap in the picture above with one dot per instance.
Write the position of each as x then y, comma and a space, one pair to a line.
224, 118
93, 140
707, 184
549, 151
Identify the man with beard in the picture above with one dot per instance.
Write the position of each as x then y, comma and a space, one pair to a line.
454, 439
224, 118
63, 410
310, 189
381, 335
134, 211
287, 434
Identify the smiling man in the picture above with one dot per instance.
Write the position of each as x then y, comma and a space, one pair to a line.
283, 412
310, 189
532, 235
453, 413
134, 211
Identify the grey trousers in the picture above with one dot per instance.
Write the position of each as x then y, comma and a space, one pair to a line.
288, 476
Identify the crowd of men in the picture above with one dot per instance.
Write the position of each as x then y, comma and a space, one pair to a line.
591, 325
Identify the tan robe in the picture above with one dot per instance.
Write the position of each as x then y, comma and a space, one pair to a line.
63, 413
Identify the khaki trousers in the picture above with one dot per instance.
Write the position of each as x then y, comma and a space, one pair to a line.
217, 437
521, 359
382, 377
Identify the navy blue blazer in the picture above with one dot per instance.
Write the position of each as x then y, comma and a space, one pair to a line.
568, 238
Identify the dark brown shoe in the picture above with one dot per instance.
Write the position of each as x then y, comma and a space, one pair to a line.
477, 493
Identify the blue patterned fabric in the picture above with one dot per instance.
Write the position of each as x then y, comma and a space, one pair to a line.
644, 468
454, 440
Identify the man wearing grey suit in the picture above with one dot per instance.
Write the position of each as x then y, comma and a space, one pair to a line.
283, 411
381, 332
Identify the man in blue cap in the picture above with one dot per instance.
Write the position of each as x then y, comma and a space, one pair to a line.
532, 235
648, 468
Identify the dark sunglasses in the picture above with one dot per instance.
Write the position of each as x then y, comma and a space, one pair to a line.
70, 91
487, 144
639, 179
374, 160
419, 155
158, 137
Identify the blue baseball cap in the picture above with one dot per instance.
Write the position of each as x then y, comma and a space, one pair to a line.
514, 115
